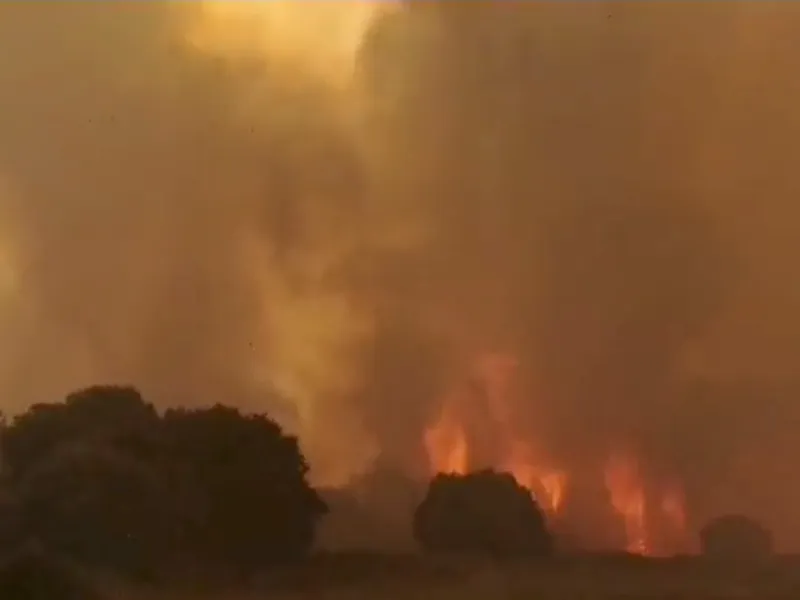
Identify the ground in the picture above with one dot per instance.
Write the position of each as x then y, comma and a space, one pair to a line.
409, 578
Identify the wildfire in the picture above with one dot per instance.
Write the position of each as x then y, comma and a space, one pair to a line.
631, 502
456, 442
446, 444
447, 440
547, 484
628, 499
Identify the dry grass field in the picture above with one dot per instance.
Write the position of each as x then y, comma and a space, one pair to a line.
383, 578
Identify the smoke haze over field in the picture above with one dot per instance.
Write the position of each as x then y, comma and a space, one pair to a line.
239, 205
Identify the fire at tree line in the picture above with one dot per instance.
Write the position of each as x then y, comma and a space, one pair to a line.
105, 481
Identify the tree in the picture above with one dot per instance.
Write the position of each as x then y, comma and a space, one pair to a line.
83, 478
735, 537
12, 531
485, 513
102, 507
103, 415
104, 480
257, 507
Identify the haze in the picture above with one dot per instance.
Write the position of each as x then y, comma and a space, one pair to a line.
334, 213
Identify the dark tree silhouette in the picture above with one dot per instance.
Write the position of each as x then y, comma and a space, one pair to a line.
12, 529
256, 507
103, 415
101, 507
104, 480
484, 513
735, 537
83, 477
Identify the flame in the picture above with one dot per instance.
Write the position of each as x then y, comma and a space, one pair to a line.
446, 444
323, 39
628, 499
447, 440
546, 484
653, 516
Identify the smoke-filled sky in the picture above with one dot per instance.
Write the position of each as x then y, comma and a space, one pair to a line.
341, 205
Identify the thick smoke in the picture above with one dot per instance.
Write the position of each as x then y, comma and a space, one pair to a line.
592, 170
602, 191
175, 219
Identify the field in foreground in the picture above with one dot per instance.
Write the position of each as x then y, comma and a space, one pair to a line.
377, 578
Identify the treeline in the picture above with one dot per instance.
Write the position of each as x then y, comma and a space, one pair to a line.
105, 480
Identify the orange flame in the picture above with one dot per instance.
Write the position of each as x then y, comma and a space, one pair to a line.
628, 499
447, 442
546, 484
447, 445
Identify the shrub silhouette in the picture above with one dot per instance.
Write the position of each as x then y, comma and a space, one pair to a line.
102, 479
735, 537
482, 513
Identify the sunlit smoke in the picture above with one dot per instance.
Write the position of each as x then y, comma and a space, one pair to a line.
321, 36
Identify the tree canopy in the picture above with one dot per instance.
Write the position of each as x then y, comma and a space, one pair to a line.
483, 513
102, 478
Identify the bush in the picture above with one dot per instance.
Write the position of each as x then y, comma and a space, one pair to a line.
482, 513
108, 416
735, 537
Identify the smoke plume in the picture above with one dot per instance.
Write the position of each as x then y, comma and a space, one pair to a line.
334, 212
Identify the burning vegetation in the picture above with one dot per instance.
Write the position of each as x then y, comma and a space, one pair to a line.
652, 516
